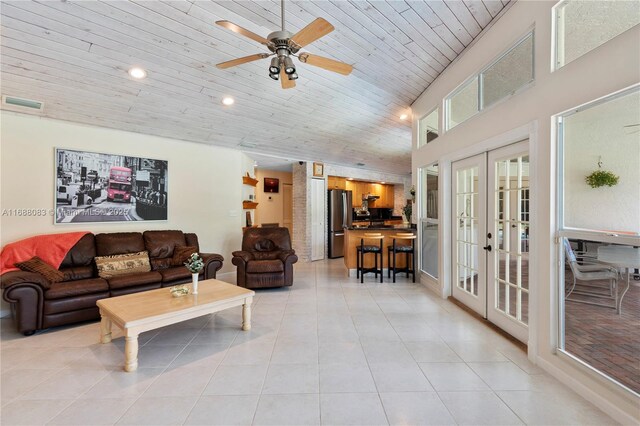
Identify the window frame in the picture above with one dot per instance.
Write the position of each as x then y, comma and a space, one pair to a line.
479, 76
435, 109
423, 215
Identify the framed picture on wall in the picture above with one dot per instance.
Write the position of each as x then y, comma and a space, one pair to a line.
318, 169
98, 187
271, 185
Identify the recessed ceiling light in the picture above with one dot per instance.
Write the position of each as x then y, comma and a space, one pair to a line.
138, 73
228, 100
383, 183
403, 116
349, 178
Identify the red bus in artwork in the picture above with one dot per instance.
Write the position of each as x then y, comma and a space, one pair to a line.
119, 188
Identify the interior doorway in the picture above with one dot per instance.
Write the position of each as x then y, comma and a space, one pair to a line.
490, 236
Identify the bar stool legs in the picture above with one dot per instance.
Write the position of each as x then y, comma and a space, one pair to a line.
360, 252
408, 251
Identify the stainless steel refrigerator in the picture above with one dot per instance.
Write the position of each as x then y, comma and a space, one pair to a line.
340, 212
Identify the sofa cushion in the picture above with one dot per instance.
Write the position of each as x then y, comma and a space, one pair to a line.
76, 288
192, 240
119, 264
82, 253
162, 243
182, 253
134, 279
175, 273
77, 273
119, 243
164, 263
261, 266
39, 266
264, 245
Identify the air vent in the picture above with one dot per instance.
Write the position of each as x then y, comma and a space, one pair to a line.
22, 103
360, 164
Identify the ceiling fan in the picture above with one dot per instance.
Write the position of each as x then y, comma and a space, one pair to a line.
284, 45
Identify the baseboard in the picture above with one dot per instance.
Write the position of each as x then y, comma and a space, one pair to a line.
587, 393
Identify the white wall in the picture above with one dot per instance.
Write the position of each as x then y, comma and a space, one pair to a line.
204, 193
607, 69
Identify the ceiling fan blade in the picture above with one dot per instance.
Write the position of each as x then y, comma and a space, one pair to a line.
326, 63
243, 60
238, 29
284, 80
318, 28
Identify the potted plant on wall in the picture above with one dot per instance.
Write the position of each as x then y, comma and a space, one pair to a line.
601, 177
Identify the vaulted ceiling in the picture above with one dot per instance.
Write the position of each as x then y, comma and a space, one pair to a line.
74, 56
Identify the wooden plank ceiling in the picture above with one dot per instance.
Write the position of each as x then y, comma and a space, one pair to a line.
74, 56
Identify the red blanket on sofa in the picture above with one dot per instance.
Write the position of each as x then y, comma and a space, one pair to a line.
51, 248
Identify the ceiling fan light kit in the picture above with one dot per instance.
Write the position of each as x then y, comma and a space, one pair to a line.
284, 46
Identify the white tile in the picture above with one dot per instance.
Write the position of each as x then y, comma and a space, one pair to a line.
248, 353
452, 376
291, 379
66, 384
503, 375
18, 381
205, 357
346, 378
189, 381
352, 409
415, 408
478, 408
237, 380
32, 412
291, 351
432, 352
158, 411
93, 412
399, 377
120, 384
157, 356
281, 410
472, 351
215, 336
173, 336
378, 351
341, 352
417, 333
223, 410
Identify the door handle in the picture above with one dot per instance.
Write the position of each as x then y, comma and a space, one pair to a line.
487, 248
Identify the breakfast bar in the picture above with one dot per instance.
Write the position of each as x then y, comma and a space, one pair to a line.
353, 235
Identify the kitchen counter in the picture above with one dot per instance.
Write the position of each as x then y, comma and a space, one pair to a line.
380, 227
353, 235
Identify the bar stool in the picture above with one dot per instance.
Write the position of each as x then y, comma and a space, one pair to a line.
362, 249
408, 250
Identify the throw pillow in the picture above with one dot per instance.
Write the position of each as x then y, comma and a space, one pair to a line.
120, 264
39, 266
182, 253
264, 245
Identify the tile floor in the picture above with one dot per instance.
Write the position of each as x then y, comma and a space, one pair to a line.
329, 350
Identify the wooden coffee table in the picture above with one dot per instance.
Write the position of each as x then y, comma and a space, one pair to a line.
139, 312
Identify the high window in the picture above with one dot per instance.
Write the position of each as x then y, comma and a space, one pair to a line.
428, 127
581, 26
502, 78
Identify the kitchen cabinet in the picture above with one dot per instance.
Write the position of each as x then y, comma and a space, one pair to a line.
360, 189
336, 182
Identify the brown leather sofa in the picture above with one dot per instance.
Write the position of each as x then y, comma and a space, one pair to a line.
266, 259
37, 304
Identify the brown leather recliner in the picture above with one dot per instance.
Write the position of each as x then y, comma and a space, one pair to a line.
266, 259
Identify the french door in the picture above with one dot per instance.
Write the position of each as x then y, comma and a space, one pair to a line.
491, 236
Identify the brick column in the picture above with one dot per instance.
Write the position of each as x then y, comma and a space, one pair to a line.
301, 211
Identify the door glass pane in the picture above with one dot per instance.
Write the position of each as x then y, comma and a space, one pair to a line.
466, 229
511, 228
509, 73
430, 248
